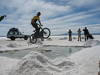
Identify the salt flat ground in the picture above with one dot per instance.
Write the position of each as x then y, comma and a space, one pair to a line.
86, 59
7, 44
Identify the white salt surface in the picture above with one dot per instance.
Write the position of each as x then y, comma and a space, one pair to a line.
87, 61
84, 62
6, 64
36, 63
19, 44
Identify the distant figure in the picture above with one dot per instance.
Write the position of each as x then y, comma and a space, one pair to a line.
70, 35
2, 17
86, 33
79, 34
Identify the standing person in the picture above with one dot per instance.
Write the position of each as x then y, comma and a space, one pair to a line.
34, 23
2, 17
86, 33
70, 35
79, 34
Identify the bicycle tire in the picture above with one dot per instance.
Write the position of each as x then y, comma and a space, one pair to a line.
33, 39
46, 33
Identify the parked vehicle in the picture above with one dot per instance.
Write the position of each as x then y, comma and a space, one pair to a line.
14, 33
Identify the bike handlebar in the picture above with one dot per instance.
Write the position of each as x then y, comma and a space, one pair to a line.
40, 25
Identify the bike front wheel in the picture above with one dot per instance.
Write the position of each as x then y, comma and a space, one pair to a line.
46, 33
33, 39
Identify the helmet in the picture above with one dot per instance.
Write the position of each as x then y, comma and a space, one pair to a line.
38, 13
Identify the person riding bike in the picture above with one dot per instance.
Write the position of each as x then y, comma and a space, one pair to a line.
35, 24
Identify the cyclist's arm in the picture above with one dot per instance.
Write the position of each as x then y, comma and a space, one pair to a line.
40, 22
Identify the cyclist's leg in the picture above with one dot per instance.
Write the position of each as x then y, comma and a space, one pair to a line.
35, 25
37, 29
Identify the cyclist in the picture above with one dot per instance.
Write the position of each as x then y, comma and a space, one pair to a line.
35, 24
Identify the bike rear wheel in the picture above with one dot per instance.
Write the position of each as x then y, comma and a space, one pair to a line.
33, 39
46, 33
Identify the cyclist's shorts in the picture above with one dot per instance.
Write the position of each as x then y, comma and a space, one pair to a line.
34, 24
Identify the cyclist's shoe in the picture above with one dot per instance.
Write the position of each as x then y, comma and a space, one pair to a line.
42, 39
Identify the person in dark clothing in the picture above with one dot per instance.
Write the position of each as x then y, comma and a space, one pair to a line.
35, 24
86, 33
70, 35
2, 17
79, 34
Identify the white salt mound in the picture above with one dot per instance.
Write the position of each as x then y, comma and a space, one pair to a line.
37, 64
84, 62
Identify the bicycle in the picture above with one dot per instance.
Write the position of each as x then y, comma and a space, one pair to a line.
44, 33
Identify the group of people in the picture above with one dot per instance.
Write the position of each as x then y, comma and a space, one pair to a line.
87, 35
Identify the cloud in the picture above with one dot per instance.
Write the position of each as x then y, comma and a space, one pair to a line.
74, 17
24, 9
84, 3
56, 14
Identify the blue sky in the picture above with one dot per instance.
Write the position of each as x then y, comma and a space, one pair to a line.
58, 15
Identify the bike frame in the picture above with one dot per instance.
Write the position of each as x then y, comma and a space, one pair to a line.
40, 32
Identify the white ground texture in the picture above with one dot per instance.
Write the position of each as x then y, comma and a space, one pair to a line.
83, 62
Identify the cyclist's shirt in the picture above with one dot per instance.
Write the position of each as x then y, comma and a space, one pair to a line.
35, 18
